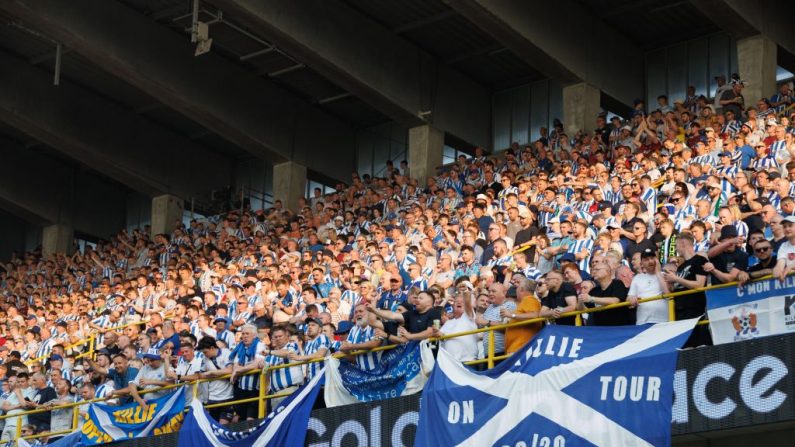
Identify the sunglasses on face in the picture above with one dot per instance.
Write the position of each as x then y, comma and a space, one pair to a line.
762, 249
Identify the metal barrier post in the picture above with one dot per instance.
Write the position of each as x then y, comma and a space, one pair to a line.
91, 342
75, 417
578, 320
263, 391
491, 349
671, 310
18, 431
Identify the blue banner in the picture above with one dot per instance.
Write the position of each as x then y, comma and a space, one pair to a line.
108, 423
756, 309
400, 371
572, 386
285, 426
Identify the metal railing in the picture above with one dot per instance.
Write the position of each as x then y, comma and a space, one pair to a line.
490, 359
90, 341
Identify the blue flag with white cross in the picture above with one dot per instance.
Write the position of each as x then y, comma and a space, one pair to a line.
569, 386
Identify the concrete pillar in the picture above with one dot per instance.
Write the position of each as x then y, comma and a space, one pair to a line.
166, 212
581, 106
756, 62
289, 184
57, 238
426, 145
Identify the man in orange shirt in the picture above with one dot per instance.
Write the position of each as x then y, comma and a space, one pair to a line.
529, 307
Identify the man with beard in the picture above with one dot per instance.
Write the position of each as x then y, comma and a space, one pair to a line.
362, 337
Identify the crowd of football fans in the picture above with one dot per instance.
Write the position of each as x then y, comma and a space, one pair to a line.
676, 197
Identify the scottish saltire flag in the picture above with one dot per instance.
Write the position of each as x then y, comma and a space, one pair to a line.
285, 426
569, 386
108, 423
401, 371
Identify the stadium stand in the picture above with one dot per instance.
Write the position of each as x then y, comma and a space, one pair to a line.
680, 198
603, 218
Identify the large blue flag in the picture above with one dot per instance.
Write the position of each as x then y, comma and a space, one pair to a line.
399, 372
285, 426
572, 386
108, 423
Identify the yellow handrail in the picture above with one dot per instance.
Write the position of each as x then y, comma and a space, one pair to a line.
88, 340
262, 398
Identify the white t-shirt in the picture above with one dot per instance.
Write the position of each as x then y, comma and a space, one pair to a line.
149, 373
787, 253
219, 390
463, 348
645, 285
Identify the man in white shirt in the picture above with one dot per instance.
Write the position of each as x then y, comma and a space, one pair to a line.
189, 366
463, 348
13, 404
152, 375
217, 364
785, 258
646, 284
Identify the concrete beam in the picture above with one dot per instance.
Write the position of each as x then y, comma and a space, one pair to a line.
247, 110
105, 136
543, 35
756, 62
426, 147
166, 213
57, 238
45, 191
372, 62
580, 108
289, 184
743, 19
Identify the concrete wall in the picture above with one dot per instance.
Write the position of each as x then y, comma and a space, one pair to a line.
14, 233
696, 62
138, 211
520, 112
377, 144
103, 216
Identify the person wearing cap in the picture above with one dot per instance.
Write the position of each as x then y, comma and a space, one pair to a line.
316, 346
223, 334
732, 99
154, 374
763, 161
785, 256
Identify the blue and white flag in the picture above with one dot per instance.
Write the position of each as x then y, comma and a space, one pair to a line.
285, 426
108, 423
401, 371
757, 309
572, 386
71, 440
